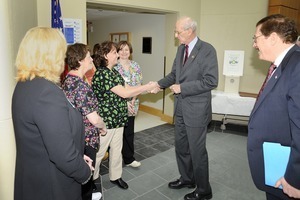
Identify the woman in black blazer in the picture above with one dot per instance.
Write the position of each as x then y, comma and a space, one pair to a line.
49, 131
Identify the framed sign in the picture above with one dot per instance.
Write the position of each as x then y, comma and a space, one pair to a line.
117, 37
124, 37
72, 30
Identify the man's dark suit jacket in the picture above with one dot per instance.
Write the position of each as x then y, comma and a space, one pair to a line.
49, 136
197, 78
276, 118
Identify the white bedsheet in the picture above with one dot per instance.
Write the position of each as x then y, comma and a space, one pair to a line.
231, 104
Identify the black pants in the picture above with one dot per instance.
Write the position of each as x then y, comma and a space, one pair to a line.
281, 196
128, 145
87, 189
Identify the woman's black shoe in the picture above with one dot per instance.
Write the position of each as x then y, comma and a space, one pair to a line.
119, 182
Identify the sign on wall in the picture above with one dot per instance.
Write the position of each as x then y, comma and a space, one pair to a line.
233, 63
72, 30
117, 37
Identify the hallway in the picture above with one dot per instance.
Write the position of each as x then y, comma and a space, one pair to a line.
229, 172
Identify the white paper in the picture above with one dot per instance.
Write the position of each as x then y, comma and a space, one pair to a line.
233, 63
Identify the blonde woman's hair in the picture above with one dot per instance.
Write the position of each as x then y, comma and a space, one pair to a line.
41, 54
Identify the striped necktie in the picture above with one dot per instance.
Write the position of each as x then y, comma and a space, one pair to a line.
186, 54
270, 72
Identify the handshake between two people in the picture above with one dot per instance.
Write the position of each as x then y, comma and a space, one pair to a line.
153, 87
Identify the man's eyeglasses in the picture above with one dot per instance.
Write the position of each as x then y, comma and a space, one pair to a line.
254, 38
178, 33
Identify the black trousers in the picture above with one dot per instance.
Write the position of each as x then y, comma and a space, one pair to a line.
272, 197
87, 189
280, 196
128, 141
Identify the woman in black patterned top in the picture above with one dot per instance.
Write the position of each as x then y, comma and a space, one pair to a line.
111, 91
81, 95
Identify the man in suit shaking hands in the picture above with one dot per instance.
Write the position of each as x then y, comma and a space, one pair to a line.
194, 74
276, 113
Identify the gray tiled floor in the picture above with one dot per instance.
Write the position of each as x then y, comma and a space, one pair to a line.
229, 172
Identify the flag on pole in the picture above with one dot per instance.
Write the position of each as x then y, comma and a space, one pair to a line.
56, 16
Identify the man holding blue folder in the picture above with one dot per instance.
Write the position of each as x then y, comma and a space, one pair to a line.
275, 117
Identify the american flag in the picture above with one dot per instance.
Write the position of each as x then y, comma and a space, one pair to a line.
56, 16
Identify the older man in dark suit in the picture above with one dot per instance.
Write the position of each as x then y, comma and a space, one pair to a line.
194, 74
276, 114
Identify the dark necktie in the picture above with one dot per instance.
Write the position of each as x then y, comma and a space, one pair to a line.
271, 69
186, 53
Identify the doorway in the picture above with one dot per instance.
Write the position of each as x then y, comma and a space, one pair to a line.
158, 25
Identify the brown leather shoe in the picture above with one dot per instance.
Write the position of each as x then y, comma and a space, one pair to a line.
178, 184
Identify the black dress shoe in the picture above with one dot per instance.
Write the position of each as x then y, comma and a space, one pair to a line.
178, 184
196, 196
119, 182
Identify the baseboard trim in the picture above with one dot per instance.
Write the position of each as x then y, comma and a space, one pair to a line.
246, 94
150, 110
156, 112
167, 118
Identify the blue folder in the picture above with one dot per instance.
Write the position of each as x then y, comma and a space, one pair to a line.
276, 158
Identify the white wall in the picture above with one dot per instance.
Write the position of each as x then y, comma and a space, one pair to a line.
7, 143
230, 25
139, 25
13, 27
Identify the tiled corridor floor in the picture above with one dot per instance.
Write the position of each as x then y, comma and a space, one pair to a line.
229, 172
